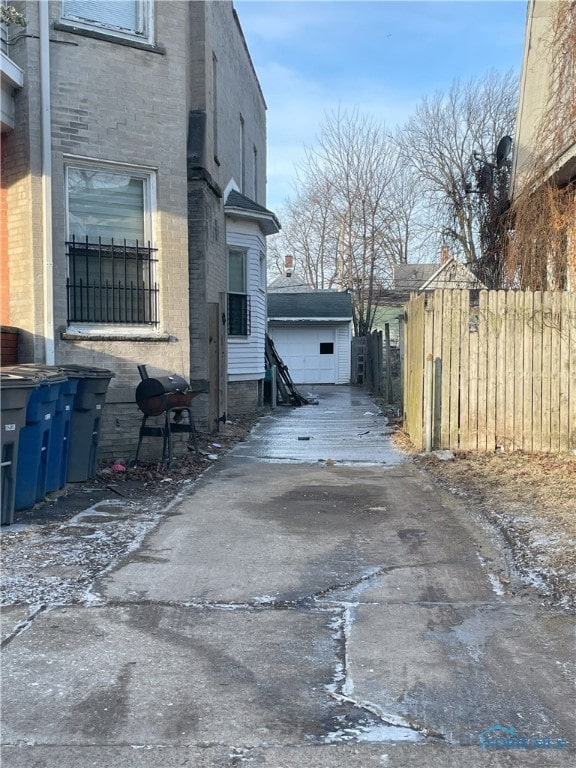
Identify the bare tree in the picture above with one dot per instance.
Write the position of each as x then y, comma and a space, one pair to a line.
340, 225
309, 235
439, 142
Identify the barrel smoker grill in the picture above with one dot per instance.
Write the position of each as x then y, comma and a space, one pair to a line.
171, 396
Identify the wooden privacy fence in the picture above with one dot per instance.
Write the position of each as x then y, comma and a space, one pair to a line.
491, 370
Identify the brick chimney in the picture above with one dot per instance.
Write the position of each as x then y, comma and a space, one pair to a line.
444, 254
289, 265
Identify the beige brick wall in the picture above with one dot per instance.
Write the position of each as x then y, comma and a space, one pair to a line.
113, 103
244, 397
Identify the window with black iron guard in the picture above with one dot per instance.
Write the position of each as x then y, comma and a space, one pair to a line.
111, 283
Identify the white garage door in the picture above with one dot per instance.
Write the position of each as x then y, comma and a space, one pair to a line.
309, 353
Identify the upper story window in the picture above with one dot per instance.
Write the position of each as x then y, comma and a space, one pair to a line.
125, 18
238, 298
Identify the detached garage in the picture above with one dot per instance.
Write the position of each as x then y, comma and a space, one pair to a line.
312, 333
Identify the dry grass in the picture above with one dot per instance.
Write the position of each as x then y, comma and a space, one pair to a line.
531, 497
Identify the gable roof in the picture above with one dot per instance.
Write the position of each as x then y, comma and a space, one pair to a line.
452, 274
409, 277
292, 283
333, 305
243, 207
428, 277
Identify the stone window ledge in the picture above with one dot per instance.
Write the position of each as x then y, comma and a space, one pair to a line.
143, 337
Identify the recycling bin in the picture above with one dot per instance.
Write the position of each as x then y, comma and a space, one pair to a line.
15, 393
33, 450
85, 422
58, 446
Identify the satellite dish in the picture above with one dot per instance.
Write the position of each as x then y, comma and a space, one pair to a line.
503, 150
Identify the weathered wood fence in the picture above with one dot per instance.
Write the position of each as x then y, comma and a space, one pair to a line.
373, 363
494, 372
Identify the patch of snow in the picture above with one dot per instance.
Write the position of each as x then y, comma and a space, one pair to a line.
265, 599
443, 455
381, 732
496, 584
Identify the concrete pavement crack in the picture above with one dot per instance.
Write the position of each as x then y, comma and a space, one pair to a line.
23, 625
395, 721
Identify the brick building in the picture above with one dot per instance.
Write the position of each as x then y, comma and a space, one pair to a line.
133, 124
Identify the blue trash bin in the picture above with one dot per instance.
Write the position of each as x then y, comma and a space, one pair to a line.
86, 421
33, 450
15, 393
58, 446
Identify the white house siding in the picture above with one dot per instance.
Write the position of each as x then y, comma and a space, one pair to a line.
246, 354
343, 352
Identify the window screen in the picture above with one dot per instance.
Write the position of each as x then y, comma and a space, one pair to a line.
121, 14
106, 205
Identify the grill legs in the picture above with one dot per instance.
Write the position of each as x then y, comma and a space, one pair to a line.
176, 420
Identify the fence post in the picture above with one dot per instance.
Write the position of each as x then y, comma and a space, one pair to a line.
389, 392
429, 415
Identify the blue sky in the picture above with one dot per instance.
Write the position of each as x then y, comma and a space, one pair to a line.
382, 56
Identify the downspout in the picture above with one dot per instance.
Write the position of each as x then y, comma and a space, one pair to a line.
46, 155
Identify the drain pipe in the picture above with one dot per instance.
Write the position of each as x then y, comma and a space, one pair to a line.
46, 154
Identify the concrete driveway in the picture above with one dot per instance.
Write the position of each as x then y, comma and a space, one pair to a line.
314, 602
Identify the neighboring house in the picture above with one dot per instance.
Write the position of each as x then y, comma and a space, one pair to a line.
390, 311
122, 246
312, 332
410, 278
546, 73
292, 282
247, 226
545, 144
11, 81
451, 273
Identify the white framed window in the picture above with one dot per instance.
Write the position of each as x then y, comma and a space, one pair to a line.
238, 298
125, 18
112, 261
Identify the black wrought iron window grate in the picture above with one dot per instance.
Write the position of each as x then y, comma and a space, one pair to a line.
239, 314
111, 283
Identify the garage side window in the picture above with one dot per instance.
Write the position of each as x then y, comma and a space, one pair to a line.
111, 259
326, 348
238, 299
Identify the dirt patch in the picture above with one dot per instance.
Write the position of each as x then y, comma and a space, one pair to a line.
530, 497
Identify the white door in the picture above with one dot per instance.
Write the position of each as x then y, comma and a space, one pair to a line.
309, 353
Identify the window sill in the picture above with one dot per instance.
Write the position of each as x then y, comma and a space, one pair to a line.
124, 335
109, 38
